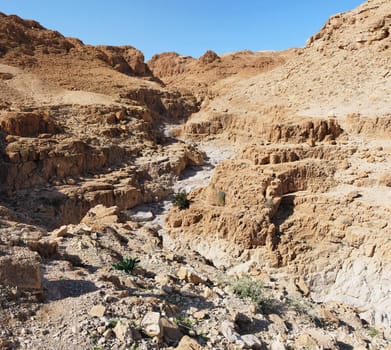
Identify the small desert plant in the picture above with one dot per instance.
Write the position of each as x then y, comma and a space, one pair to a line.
372, 332
245, 287
180, 200
221, 198
301, 307
127, 264
184, 323
112, 323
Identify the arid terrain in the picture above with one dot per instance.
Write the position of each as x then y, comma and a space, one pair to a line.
284, 241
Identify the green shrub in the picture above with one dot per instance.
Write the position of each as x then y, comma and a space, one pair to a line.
127, 265
373, 332
112, 323
245, 287
180, 200
185, 324
221, 198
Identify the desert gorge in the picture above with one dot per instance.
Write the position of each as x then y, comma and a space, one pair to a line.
233, 201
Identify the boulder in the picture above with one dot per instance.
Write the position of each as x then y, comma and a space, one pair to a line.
20, 267
27, 124
151, 324
190, 275
188, 343
101, 215
171, 332
123, 331
97, 311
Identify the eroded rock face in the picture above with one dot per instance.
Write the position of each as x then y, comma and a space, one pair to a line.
238, 128
125, 59
27, 124
242, 200
290, 206
132, 162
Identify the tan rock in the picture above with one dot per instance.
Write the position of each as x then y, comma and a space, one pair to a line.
188, 343
101, 215
171, 332
97, 311
190, 275
46, 248
305, 340
199, 315
20, 267
123, 331
302, 286
60, 232
207, 292
27, 124
162, 279
151, 324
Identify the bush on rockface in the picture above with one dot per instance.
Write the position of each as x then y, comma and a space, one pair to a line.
180, 200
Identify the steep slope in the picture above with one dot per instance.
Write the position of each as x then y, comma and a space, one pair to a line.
314, 134
343, 70
71, 114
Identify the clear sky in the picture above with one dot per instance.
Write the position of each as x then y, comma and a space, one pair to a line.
189, 27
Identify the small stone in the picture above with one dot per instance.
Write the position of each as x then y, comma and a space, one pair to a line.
188, 343
151, 324
305, 340
302, 286
170, 256
60, 232
190, 275
227, 329
108, 298
167, 289
182, 273
207, 293
170, 331
251, 341
123, 331
71, 181
97, 311
199, 315
277, 345
253, 309
141, 216
162, 279
108, 333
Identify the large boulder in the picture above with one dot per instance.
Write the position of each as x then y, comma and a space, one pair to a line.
27, 124
20, 267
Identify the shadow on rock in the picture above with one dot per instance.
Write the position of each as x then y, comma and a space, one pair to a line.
61, 289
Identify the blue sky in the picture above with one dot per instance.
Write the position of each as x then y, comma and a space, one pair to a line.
189, 27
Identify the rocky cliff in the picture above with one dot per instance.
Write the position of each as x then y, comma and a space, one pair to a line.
285, 159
